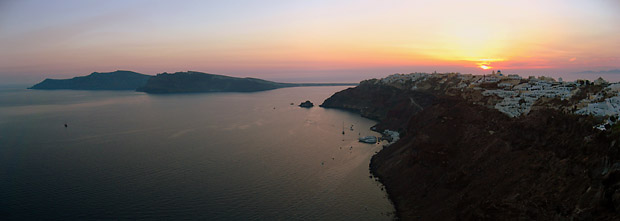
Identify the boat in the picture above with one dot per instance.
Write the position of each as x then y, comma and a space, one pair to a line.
368, 139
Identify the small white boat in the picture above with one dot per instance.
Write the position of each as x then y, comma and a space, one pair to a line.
368, 139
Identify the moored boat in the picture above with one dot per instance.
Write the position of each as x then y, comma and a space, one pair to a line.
368, 139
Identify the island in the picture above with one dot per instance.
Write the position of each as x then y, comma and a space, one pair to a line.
193, 82
306, 104
164, 83
117, 80
494, 147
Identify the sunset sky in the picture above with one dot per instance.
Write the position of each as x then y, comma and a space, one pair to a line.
309, 41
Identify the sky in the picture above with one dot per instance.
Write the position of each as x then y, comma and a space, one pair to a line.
309, 41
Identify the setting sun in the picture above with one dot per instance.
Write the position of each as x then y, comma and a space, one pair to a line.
306, 41
485, 63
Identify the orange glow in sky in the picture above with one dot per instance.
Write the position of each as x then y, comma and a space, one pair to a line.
485, 64
342, 40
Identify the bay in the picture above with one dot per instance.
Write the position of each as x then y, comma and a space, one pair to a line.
217, 156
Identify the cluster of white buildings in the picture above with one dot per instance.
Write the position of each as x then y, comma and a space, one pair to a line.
404, 78
517, 95
604, 103
394, 135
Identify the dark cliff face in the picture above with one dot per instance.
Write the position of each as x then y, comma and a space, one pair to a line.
390, 105
193, 82
117, 80
459, 160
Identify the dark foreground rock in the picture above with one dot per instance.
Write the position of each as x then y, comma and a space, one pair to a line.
306, 104
461, 161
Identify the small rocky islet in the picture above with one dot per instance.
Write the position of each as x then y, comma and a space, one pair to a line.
306, 104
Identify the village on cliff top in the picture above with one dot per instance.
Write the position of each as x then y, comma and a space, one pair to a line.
515, 96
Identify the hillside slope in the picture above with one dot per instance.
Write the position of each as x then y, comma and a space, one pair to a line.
458, 159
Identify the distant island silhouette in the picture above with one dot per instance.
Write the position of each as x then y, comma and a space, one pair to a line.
117, 80
179, 82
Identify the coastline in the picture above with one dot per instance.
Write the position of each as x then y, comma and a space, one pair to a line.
279, 157
356, 100
388, 190
462, 159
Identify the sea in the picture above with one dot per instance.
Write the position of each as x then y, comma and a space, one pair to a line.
207, 156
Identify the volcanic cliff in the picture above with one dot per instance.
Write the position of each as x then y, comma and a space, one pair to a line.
462, 159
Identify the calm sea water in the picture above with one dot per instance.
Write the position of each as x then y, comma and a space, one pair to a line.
192, 156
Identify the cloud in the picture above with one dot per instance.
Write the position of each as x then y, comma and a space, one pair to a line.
572, 59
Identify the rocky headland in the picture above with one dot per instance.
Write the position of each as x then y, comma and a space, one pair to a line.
494, 147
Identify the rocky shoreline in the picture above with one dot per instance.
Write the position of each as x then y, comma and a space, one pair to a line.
459, 159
